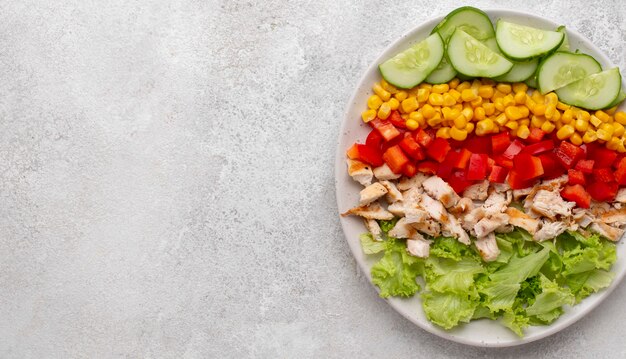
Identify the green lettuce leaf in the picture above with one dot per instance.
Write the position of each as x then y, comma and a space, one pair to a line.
447, 275
586, 283
448, 247
396, 271
387, 225
515, 320
552, 296
371, 246
448, 309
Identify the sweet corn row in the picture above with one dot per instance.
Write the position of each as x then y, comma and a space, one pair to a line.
457, 109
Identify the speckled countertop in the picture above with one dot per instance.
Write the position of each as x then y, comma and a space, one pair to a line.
166, 182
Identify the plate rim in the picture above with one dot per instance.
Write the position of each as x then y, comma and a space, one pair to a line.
340, 169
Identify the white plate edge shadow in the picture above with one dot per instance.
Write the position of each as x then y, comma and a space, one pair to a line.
352, 227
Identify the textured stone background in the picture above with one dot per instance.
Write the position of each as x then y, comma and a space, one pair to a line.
166, 180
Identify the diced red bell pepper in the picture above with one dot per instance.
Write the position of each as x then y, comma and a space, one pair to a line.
396, 119
503, 161
568, 154
374, 139
602, 156
428, 167
409, 170
411, 147
458, 181
603, 191
585, 166
551, 167
370, 155
477, 167
478, 144
498, 174
575, 177
535, 135
514, 148
394, 142
527, 166
500, 142
620, 173
385, 128
618, 159
445, 170
490, 164
539, 147
353, 152
463, 158
516, 182
395, 159
423, 138
576, 193
438, 149
603, 175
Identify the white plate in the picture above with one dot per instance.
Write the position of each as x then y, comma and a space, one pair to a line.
485, 333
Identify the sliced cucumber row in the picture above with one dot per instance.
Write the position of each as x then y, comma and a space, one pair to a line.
594, 92
520, 43
443, 73
562, 68
471, 57
469, 19
621, 97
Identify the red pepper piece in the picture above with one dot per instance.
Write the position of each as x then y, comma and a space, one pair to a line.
516, 182
551, 166
478, 144
498, 174
409, 170
577, 193
463, 158
504, 162
412, 148
477, 167
438, 149
585, 166
603, 191
395, 159
527, 166
370, 155
568, 154
603, 157
428, 167
423, 138
374, 139
603, 175
514, 148
353, 152
500, 142
396, 119
385, 128
575, 177
535, 135
458, 181
445, 170
539, 147
620, 173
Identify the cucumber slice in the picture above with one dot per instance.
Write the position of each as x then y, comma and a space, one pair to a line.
411, 66
593, 92
492, 44
469, 19
532, 81
521, 71
521, 43
470, 57
443, 73
621, 97
565, 44
563, 68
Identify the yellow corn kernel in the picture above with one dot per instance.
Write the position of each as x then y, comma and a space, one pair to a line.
504, 88
520, 87
603, 135
490, 108
479, 113
409, 105
576, 139
381, 92
607, 127
374, 102
422, 95
426, 86
524, 111
463, 86
443, 132
613, 143
596, 122
565, 132
497, 94
501, 119
508, 100
620, 117
511, 125
458, 106
520, 98
618, 129
621, 148
611, 111
384, 110
581, 125
458, 134
388, 87
477, 101
435, 120
530, 103
551, 99
484, 127
441, 88
469, 127
524, 121
556, 116
476, 85
568, 116
537, 121
401, 95
468, 95
523, 132
445, 112
563, 107
393, 103
603, 116
485, 91
468, 113
404, 116
435, 99
548, 127
539, 110
419, 117
412, 124
499, 104
550, 110
584, 115
589, 136
448, 100
538, 97
460, 121
454, 83
513, 113
455, 94
368, 115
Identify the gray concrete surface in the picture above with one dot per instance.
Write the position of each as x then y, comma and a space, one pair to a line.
166, 184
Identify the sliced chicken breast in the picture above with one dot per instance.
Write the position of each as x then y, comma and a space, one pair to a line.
490, 224
373, 211
393, 195
550, 204
612, 233
360, 172
402, 229
384, 173
373, 227
415, 181
428, 226
441, 191
488, 248
477, 191
371, 193
418, 246
522, 220
549, 230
